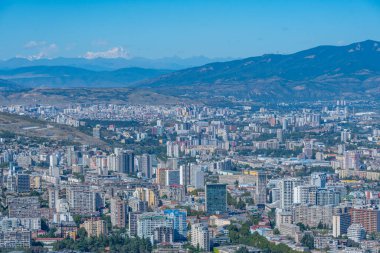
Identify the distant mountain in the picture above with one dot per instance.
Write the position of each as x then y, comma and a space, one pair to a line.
99, 64
314, 73
63, 77
6, 85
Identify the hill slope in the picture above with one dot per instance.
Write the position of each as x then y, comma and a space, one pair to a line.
317, 72
65, 76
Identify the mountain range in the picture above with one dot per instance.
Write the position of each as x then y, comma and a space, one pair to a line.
320, 72
109, 64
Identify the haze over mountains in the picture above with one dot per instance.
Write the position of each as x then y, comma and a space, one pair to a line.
352, 70
104, 64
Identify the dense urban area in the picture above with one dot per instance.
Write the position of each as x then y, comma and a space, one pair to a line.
280, 177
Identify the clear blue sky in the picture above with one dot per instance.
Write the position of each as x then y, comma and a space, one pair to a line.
155, 29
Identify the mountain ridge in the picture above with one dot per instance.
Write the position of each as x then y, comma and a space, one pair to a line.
315, 72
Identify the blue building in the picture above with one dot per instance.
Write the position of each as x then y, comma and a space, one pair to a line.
179, 223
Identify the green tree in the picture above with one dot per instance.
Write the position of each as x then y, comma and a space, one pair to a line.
308, 241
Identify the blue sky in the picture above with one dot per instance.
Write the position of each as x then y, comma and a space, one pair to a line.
155, 29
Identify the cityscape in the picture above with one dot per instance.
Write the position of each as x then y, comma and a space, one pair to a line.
231, 153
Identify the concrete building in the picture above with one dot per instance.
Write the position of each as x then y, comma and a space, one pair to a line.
172, 177
367, 217
179, 223
200, 236
216, 198
22, 183
119, 212
287, 186
356, 232
82, 200
148, 222
15, 239
261, 191
95, 227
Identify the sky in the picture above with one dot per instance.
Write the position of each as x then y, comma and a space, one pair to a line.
155, 29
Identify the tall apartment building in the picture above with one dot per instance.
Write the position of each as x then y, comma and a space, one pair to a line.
287, 186
367, 217
132, 223
146, 165
95, 227
304, 194
22, 183
15, 239
216, 198
146, 194
200, 236
126, 162
261, 191
163, 235
24, 207
341, 222
172, 177
351, 160
318, 179
82, 200
179, 223
148, 222
161, 176
313, 215
119, 212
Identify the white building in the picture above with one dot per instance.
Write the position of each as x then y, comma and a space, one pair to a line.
200, 236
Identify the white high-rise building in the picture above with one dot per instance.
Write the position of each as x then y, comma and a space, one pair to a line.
318, 179
200, 236
287, 186
301, 194
148, 222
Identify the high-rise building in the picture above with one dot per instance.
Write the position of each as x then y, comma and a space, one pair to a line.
126, 162
172, 177
197, 177
302, 194
367, 217
345, 135
200, 236
351, 160
356, 232
95, 227
23, 183
279, 135
161, 176
318, 179
327, 197
82, 200
163, 235
146, 194
341, 222
287, 186
179, 223
216, 198
148, 222
261, 191
132, 223
119, 212
146, 165
184, 175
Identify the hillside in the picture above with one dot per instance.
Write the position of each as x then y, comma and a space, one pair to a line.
66, 76
318, 72
27, 126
